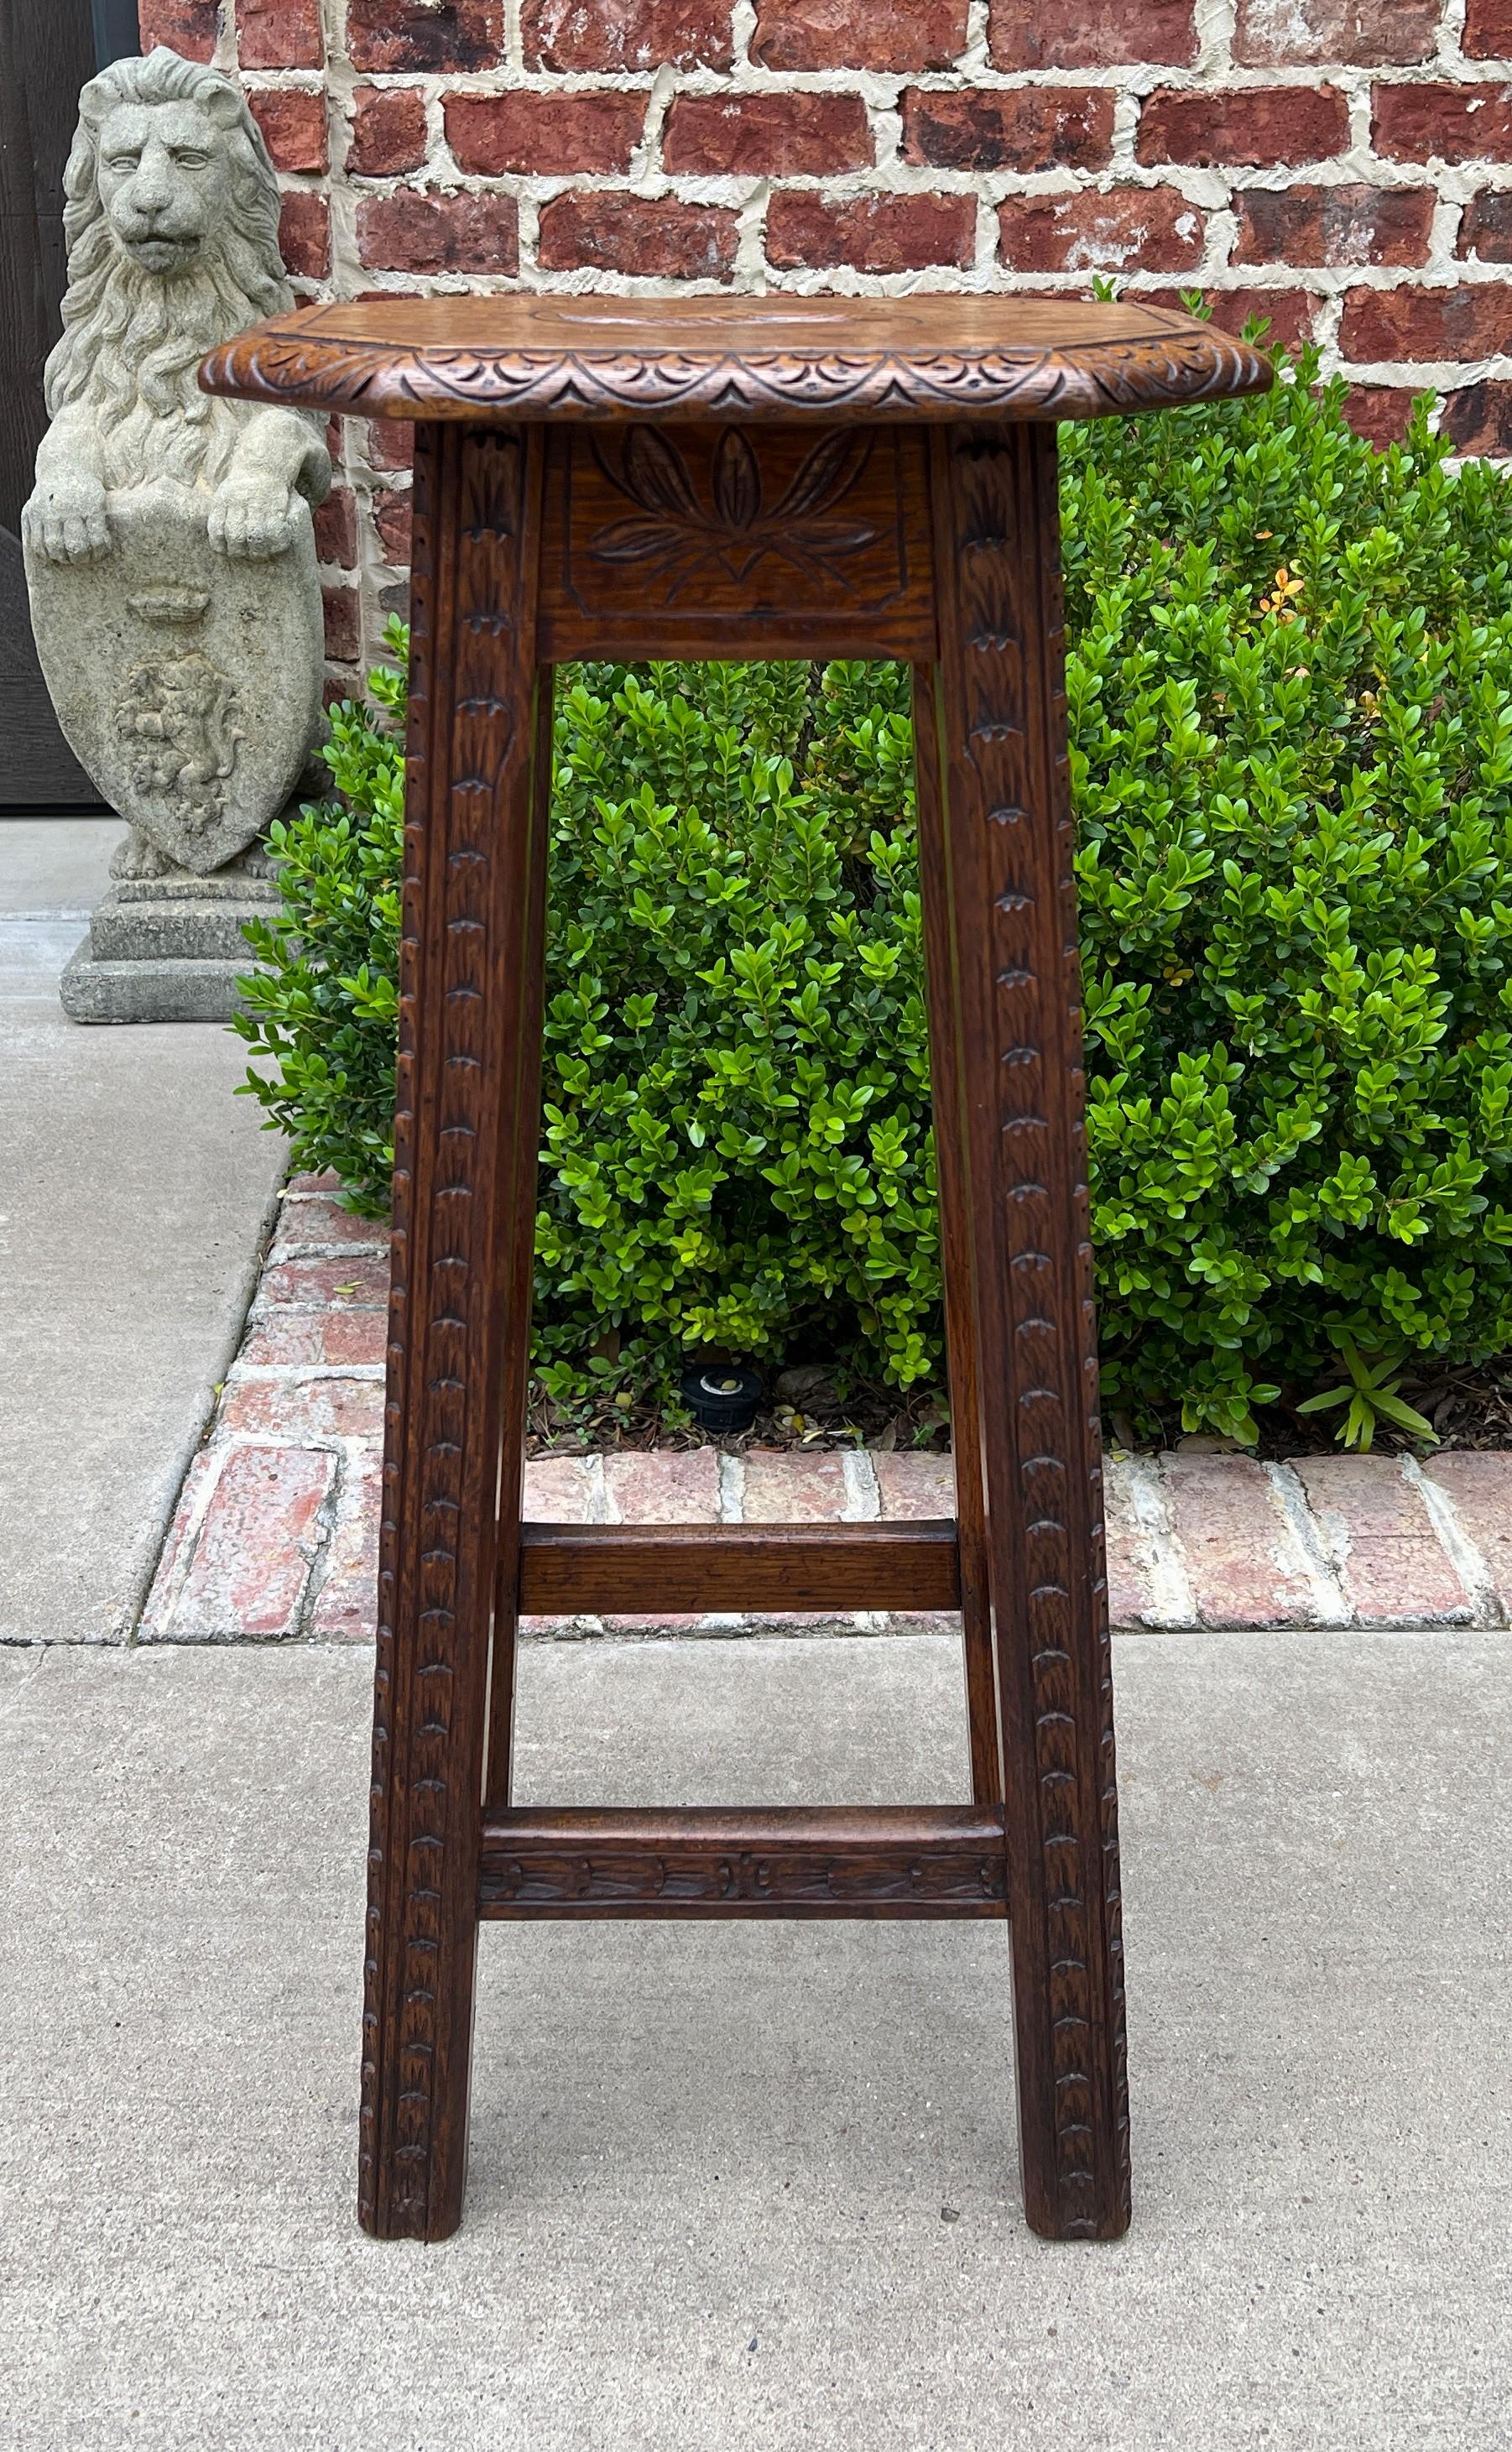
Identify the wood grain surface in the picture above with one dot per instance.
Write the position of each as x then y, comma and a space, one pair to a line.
525, 355
464, 1144
669, 1569
720, 540
997, 841
640, 1862
983, 1719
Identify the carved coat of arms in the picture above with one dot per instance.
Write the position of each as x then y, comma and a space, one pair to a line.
195, 710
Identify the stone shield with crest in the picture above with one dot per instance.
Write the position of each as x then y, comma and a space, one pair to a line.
187, 685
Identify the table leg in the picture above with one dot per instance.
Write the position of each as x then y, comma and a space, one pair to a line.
475, 852
942, 999
1017, 1236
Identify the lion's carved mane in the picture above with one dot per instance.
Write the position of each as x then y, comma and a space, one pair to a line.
132, 338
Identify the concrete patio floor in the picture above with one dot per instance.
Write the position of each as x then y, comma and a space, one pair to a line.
757, 2186
133, 1190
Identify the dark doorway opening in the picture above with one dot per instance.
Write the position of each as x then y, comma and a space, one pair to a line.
48, 49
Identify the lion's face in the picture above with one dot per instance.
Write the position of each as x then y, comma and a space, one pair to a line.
163, 183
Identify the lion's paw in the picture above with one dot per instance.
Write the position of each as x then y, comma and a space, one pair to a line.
137, 857
64, 521
252, 517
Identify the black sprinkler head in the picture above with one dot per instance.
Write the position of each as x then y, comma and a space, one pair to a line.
721, 1397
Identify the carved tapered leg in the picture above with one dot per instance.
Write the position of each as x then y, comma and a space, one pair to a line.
1004, 960
516, 1261
960, 1324
474, 862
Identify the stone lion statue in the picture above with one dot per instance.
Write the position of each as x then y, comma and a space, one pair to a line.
171, 222
169, 554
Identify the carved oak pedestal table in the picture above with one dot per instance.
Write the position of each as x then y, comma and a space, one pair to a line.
610, 477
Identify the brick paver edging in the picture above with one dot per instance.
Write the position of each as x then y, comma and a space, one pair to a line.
275, 1535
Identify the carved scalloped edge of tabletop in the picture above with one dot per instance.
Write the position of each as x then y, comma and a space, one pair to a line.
279, 361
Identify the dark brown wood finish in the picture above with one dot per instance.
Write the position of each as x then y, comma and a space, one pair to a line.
638, 1862
718, 540
909, 360
943, 1002
515, 1252
464, 1143
1022, 1247
767, 476
657, 1569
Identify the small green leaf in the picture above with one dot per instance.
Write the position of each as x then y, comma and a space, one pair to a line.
1405, 1418
1330, 1397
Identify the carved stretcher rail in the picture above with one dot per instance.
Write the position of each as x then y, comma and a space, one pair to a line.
647, 1568
642, 1861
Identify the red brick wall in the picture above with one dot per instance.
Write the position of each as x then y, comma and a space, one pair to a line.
1342, 165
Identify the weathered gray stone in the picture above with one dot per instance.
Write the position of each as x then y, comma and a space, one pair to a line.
188, 685
170, 948
171, 929
169, 552
141, 989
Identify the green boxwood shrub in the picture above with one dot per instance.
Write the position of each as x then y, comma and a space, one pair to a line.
737, 1143
1291, 691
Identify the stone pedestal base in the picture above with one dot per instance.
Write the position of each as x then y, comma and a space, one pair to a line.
170, 948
